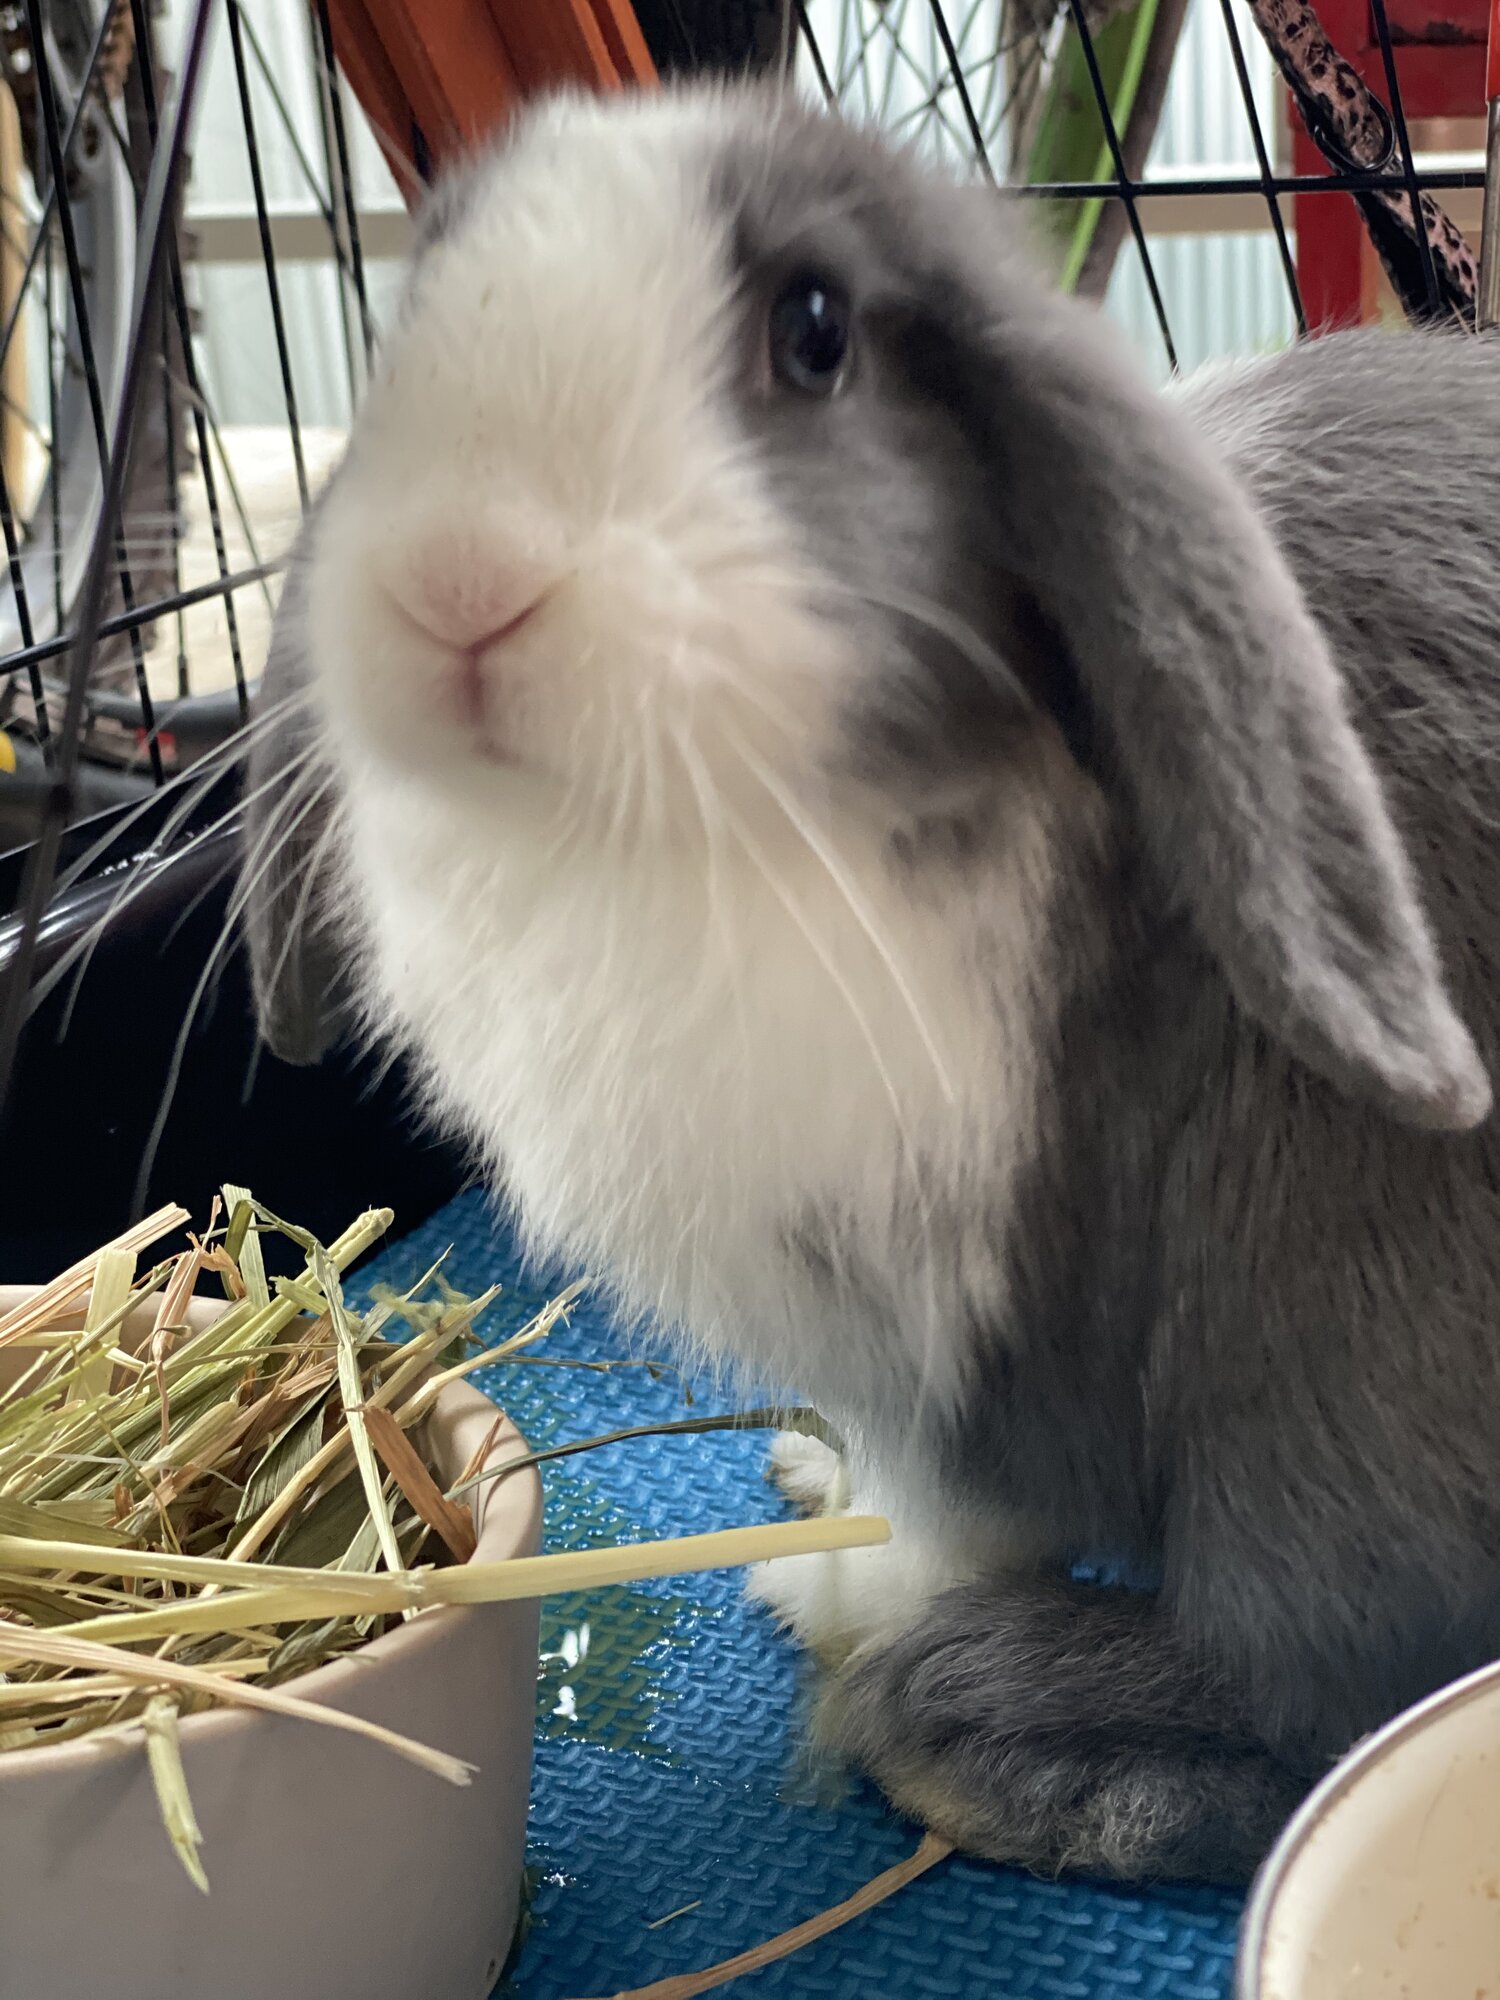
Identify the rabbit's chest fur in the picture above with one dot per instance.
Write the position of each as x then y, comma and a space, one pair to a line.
775, 1111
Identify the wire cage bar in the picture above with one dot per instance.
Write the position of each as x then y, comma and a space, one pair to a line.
113, 764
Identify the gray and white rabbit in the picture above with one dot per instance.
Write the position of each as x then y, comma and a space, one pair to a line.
961, 885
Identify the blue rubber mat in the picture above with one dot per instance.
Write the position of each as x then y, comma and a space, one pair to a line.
667, 1774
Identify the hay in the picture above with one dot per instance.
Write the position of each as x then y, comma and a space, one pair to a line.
199, 1522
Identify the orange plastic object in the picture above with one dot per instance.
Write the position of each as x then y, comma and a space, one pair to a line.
624, 40
436, 77
449, 55
561, 42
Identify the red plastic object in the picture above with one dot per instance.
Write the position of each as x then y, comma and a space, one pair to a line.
1439, 48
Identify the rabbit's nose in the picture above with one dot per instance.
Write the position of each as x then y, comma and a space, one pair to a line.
468, 594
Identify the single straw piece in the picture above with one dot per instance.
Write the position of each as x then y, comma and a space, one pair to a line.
171, 1316
1487, 308
96, 1555
351, 1390
252, 1264
685, 1986
114, 1276
95, 1687
174, 1802
404, 1463
336, 1593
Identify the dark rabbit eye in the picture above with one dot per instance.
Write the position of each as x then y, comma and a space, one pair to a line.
810, 335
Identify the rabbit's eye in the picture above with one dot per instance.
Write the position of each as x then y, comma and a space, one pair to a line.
810, 335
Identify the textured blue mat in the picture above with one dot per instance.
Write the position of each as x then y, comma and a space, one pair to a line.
666, 1766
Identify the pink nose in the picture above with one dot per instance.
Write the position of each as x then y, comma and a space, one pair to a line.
467, 596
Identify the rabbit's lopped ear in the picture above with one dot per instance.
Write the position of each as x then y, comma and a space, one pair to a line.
1214, 703
298, 966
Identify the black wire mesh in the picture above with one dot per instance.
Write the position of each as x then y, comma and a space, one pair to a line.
113, 767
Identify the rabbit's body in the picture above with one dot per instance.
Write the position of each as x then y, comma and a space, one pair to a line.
925, 928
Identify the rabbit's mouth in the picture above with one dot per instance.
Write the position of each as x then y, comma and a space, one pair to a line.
619, 679
474, 687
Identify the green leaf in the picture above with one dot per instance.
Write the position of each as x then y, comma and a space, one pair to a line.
296, 1444
42, 1607
307, 1647
317, 1537
363, 1553
246, 1251
83, 1521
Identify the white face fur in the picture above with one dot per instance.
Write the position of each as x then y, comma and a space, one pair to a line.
655, 951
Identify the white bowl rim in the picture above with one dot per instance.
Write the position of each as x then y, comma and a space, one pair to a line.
1351, 1770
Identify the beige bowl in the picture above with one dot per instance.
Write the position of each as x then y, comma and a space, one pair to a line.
1386, 1885
338, 1870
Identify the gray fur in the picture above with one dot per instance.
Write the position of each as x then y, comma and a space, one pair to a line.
1243, 1324
1067, 1727
1248, 1339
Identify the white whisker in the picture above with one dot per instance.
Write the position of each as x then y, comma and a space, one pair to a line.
947, 625
236, 906
312, 871
195, 782
825, 958
859, 908
145, 870
711, 818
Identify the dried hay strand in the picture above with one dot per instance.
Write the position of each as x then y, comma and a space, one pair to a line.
686, 1985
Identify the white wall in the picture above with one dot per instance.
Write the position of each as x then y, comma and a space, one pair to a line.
238, 343
1224, 294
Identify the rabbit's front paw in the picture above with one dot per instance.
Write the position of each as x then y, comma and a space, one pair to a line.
804, 1471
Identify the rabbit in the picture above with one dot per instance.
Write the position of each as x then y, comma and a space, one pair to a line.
960, 883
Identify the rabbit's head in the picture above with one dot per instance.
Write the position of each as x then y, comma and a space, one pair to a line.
723, 455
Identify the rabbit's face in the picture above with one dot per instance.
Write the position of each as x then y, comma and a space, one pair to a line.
662, 675
651, 494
